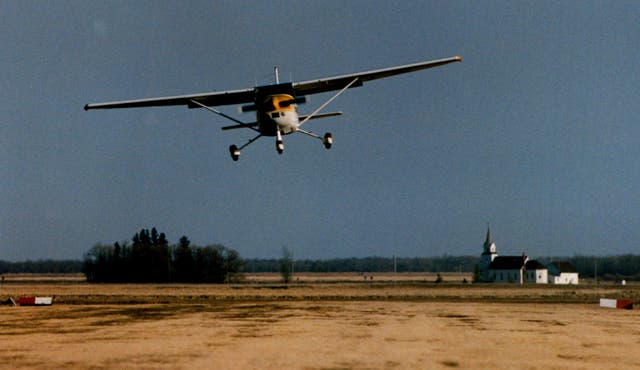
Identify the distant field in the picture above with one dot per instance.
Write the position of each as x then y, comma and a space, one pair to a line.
74, 290
320, 322
269, 277
310, 277
45, 278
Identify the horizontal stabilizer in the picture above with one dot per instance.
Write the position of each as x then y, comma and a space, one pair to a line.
244, 125
321, 115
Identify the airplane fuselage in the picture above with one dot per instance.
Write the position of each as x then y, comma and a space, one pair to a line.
273, 117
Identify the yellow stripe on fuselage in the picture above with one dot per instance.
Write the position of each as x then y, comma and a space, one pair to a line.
275, 102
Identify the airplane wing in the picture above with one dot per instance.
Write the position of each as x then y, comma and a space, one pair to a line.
208, 99
248, 95
339, 82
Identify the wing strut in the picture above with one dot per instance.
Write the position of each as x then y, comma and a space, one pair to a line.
327, 102
212, 110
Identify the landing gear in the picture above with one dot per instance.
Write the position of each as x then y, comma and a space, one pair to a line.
279, 146
327, 140
279, 142
235, 152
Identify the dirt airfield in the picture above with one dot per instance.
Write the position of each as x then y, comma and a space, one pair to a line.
346, 322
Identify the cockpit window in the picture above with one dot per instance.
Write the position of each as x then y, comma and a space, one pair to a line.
275, 114
268, 105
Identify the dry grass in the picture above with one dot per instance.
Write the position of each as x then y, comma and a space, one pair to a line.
266, 287
318, 325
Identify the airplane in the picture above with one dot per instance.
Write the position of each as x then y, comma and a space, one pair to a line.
276, 105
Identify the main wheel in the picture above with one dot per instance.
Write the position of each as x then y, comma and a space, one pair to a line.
327, 140
235, 153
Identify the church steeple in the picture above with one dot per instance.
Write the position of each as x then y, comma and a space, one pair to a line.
489, 240
487, 256
489, 245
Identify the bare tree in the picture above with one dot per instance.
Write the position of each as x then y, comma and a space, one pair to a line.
286, 265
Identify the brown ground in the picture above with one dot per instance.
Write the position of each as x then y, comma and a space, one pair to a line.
318, 326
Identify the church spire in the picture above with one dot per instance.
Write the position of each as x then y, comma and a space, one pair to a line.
489, 245
489, 240
487, 257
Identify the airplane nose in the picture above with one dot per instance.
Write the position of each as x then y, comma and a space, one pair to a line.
287, 127
287, 123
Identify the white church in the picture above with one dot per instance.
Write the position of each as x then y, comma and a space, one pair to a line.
521, 269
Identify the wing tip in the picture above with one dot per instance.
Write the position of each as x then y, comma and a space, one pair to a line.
458, 58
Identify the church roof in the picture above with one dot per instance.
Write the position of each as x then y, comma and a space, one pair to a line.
534, 265
563, 266
514, 263
506, 263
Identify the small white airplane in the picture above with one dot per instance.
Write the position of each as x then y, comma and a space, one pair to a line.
275, 105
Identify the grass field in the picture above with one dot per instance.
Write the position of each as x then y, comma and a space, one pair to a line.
321, 322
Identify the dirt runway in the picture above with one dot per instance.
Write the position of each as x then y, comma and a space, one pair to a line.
371, 334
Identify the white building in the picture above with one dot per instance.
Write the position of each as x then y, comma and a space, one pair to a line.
517, 269
562, 273
521, 269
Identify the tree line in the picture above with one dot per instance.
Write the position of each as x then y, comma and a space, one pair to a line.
150, 259
370, 264
601, 267
185, 263
41, 267
620, 267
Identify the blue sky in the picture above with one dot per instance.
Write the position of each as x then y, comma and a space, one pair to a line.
536, 131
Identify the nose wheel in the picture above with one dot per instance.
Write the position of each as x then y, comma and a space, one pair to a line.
279, 142
279, 146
